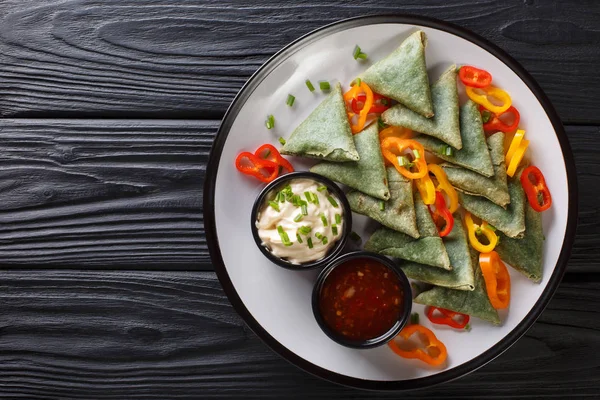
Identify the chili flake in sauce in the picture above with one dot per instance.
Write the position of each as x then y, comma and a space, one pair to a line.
361, 299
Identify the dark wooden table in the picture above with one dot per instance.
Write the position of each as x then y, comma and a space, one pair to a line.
107, 113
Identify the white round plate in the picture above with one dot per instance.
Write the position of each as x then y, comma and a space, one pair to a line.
276, 303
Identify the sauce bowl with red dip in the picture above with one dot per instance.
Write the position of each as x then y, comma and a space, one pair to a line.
362, 300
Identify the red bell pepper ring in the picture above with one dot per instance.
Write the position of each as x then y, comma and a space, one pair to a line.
474, 77
495, 123
264, 170
270, 153
442, 217
447, 317
380, 103
535, 188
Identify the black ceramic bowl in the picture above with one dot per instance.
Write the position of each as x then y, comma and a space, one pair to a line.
269, 192
393, 331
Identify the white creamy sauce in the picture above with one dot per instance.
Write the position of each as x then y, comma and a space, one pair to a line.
298, 253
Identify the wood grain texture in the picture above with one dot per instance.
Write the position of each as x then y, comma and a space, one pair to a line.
128, 194
103, 193
188, 58
158, 335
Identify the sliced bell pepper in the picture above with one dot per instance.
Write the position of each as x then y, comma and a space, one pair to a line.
426, 189
433, 351
483, 99
270, 153
515, 152
535, 188
362, 115
392, 148
496, 123
380, 103
395, 131
474, 77
251, 165
442, 217
448, 317
497, 279
445, 186
483, 229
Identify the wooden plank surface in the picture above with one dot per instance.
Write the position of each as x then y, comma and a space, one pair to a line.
188, 58
128, 194
157, 335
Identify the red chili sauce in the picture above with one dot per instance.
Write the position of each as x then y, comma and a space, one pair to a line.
361, 299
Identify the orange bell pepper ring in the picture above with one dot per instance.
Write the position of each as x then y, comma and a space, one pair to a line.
483, 229
497, 279
433, 351
392, 148
444, 186
395, 131
352, 94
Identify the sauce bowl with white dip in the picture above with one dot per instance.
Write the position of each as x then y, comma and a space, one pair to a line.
301, 220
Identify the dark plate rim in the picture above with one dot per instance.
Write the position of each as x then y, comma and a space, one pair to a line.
209, 211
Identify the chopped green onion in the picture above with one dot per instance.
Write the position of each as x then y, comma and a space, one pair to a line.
290, 100
274, 205
403, 161
485, 116
381, 205
324, 85
308, 197
299, 238
416, 153
324, 240
270, 123
295, 200
414, 318
354, 236
305, 230
358, 54
318, 235
334, 230
298, 217
282, 141
356, 82
468, 327
284, 236
315, 199
321, 188
338, 219
309, 242
323, 219
304, 209
309, 85
332, 201
493, 228
380, 123
447, 150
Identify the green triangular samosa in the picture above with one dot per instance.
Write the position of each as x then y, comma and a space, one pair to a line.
366, 175
494, 188
445, 124
475, 303
325, 133
402, 75
510, 221
461, 276
474, 154
428, 249
525, 255
398, 212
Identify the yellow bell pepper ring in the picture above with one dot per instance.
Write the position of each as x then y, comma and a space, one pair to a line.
426, 189
445, 186
517, 158
482, 97
483, 229
514, 145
